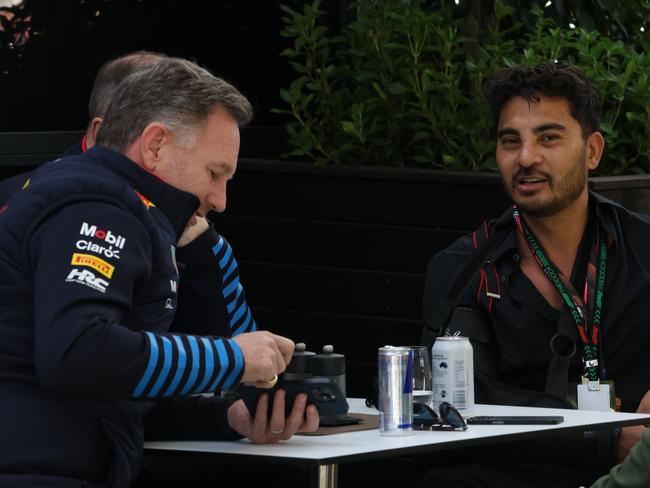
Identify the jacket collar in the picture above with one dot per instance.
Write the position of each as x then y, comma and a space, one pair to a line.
177, 205
605, 212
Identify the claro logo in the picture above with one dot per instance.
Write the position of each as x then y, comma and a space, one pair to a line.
103, 235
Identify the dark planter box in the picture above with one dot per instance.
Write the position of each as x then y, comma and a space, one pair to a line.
336, 255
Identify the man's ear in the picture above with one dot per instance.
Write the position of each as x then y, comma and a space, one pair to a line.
92, 130
595, 146
153, 139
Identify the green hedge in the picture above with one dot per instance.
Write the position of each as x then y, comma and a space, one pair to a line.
401, 84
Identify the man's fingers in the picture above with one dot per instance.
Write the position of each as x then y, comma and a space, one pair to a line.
280, 363
286, 347
303, 417
312, 419
261, 418
277, 422
265, 355
295, 419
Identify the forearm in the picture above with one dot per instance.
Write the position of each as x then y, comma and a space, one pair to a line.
211, 297
193, 417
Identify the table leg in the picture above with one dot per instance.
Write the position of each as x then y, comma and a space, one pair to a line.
324, 476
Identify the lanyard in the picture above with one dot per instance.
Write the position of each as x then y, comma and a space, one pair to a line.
587, 319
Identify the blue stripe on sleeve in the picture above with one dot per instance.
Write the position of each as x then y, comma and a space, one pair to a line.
243, 327
167, 365
239, 363
231, 268
230, 306
231, 287
194, 373
240, 311
223, 361
217, 247
209, 365
226, 256
153, 359
180, 369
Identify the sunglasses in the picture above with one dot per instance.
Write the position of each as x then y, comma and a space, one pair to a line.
426, 418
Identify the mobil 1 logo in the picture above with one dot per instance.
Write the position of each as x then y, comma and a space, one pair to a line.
109, 244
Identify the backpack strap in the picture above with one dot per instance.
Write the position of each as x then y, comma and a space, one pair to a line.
489, 288
464, 276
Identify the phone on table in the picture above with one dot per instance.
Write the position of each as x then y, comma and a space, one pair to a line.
515, 420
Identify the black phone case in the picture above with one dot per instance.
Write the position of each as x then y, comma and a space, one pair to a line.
321, 392
515, 420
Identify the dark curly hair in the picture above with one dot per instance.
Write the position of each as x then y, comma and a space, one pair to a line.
550, 80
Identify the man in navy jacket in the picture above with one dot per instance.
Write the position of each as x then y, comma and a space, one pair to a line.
90, 337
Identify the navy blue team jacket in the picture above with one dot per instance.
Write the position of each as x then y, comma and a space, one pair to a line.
96, 328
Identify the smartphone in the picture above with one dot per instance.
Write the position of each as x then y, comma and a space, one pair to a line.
515, 420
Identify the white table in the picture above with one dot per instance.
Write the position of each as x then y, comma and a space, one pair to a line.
322, 454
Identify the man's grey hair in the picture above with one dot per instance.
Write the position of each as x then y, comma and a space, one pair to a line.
174, 92
111, 74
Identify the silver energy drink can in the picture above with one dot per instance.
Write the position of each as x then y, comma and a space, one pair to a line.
452, 358
395, 390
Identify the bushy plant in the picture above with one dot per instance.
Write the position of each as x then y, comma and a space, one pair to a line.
402, 84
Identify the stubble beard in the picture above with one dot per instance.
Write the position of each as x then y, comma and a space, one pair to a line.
562, 193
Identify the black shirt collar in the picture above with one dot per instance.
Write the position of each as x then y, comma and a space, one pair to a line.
177, 205
603, 210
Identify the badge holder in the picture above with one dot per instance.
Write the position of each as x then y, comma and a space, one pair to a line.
596, 395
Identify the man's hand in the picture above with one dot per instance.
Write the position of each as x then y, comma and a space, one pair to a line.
265, 355
195, 227
631, 435
264, 430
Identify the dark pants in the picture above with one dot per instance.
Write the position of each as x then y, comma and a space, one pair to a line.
197, 470
561, 461
210, 471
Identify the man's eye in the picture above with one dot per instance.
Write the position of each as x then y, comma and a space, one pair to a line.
509, 142
549, 137
213, 175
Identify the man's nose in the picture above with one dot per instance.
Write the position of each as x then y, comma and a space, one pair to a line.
217, 201
529, 154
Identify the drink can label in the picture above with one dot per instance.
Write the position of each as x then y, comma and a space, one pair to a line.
395, 390
452, 360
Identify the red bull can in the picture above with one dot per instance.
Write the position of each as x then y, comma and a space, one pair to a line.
452, 359
395, 390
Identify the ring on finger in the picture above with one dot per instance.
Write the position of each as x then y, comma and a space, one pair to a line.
270, 383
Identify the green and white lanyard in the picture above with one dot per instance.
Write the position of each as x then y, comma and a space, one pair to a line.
587, 317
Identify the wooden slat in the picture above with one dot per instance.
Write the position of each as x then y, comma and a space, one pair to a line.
366, 200
37, 143
336, 244
333, 290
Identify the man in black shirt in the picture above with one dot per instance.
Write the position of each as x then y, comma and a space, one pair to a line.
558, 293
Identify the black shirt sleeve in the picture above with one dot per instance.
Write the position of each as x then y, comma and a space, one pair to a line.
210, 288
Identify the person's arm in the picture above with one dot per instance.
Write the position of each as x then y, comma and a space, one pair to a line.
210, 293
82, 345
633, 472
202, 417
629, 436
440, 270
213, 417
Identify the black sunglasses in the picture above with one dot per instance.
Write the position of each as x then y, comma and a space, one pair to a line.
426, 418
